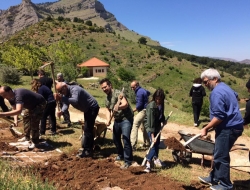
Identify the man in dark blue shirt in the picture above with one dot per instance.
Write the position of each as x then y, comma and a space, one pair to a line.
141, 104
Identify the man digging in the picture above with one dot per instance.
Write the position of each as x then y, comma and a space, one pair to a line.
33, 104
85, 102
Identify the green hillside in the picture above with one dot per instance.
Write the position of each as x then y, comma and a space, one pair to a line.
153, 66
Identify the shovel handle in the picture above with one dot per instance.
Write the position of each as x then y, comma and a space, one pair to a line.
190, 140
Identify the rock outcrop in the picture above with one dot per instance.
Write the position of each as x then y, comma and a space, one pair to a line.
18, 17
27, 13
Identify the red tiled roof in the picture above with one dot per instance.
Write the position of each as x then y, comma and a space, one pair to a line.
93, 62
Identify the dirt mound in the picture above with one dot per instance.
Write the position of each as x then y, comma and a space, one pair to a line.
69, 172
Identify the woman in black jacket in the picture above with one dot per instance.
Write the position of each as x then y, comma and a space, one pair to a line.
197, 92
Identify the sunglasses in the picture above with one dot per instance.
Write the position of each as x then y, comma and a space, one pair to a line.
206, 81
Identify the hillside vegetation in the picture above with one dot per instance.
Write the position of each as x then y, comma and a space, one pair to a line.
153, 66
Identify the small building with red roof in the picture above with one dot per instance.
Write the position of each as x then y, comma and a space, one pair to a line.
96, 67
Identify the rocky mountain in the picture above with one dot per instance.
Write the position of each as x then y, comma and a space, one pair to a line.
27, 13
18, 17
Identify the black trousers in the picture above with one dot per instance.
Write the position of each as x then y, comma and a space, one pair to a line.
49, 110
89, 122
196, 111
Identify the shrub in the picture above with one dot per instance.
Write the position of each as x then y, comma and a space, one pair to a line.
125, 75
10, 75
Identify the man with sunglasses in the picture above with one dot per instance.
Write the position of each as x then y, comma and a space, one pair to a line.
85, 102
227, 121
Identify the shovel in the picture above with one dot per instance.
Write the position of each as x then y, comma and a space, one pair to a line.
152, 144
13, 131
190, 140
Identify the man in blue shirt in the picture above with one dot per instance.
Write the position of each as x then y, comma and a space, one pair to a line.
226, 118
141, 104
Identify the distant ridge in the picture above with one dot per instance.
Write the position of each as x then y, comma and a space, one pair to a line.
246, 61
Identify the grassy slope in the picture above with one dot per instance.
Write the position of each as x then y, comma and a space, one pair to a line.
172, 75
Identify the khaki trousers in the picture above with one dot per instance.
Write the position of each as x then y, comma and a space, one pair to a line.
138, 121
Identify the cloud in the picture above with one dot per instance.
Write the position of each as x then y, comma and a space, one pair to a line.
167, 44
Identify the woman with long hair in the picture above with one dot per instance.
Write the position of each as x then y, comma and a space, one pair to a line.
50, 108
153, 121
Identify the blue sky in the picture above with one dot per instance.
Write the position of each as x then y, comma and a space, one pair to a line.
214, 28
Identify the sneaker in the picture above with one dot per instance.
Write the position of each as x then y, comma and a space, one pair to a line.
195, 124
84, 154
23, 139
217, 187
119, 158
147, 170
31, 145
207, 180
158, 163
125, 166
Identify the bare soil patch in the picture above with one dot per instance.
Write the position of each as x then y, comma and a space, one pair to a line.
101, 172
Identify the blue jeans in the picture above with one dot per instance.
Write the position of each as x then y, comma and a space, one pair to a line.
224, 140
154, 151
123, 128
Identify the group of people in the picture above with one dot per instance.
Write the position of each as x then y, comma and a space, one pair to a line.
225, 118
151, 115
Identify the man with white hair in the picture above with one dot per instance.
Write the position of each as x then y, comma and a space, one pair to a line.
226, 118
85, 102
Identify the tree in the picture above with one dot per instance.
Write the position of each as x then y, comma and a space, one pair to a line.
65, 54
26, 57
89, 23
142, 40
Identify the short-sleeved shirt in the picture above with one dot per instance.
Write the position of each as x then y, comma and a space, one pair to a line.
111, 100
27, 98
